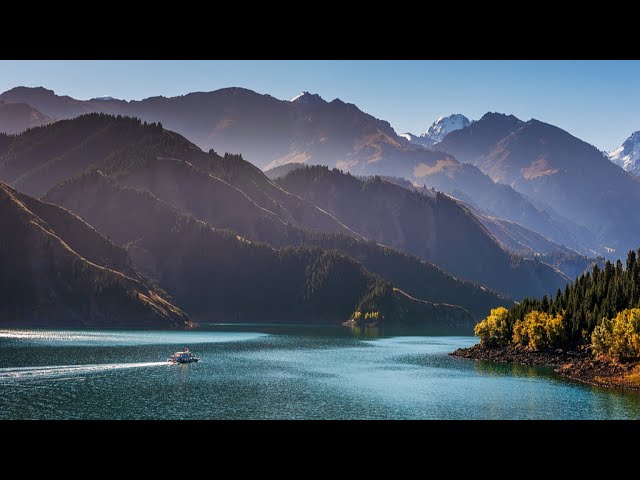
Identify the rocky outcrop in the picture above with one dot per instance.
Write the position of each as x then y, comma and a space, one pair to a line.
577, 364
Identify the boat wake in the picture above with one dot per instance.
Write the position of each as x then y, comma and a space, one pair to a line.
55, 371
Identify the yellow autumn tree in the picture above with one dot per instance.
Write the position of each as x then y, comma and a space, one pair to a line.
494, 330
618, 338
539, 330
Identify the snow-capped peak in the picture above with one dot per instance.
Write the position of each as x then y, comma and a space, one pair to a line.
105, 98
445, 125
628, 155
308, 99
438, 130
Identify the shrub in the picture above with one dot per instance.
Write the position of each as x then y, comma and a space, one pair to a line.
372, 315
618, 338
539, 330
494, 330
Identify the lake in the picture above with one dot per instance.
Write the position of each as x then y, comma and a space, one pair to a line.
278, 372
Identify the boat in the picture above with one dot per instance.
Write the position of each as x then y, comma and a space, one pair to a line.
183, 357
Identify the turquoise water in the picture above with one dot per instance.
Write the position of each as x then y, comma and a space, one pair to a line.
278, 373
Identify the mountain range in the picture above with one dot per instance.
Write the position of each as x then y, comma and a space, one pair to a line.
228, 192
271, 132
437, 230
155, 194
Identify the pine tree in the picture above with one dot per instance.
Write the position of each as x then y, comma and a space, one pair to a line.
601, 293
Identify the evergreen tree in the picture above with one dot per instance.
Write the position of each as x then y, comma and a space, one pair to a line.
593, 296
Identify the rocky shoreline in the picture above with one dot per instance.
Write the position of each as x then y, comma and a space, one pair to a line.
577, 365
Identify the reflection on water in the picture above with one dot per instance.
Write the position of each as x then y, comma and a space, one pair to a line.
513, 370
182, 378
365, 332
275, 371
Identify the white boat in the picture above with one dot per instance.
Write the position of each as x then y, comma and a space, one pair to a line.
183, 357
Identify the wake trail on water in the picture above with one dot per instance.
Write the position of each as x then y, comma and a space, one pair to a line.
53, 371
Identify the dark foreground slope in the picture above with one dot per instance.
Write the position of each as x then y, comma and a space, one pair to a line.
433, 227
45, 281
219, 276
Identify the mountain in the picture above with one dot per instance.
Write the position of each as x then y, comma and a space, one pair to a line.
555, 169
17, 117
628, 155
219, 276
434, 227
57, 271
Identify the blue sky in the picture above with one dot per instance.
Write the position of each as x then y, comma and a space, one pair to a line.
598, 101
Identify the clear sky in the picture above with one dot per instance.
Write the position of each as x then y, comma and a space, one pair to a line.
598, 101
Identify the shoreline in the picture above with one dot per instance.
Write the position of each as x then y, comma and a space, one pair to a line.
572, 364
